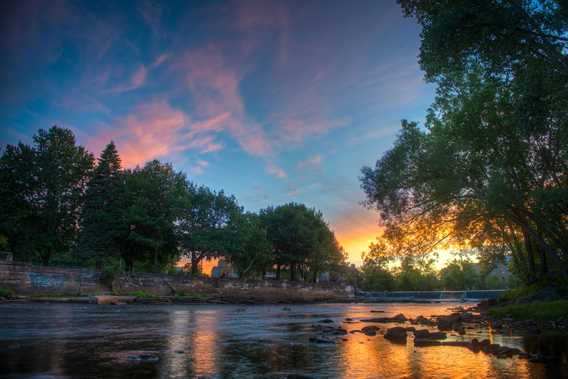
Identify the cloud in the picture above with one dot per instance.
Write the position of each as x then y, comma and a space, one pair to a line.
259, 13
155, 130
312, 162
137, 80
214, 88
275, 170
199, 167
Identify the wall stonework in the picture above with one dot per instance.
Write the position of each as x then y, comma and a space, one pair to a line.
28, 279
25, 278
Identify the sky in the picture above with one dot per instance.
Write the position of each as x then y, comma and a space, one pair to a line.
272, 101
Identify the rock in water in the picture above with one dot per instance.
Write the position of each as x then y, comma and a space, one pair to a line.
396, 334
370, 330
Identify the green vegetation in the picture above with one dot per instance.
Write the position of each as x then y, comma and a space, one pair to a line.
520, 292
489, 169
543, 310
143, 294
62, 208
6, 293
191, 295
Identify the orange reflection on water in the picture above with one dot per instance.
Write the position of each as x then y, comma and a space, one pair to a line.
376, 357
204, 343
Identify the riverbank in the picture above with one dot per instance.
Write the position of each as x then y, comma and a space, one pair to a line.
41, 283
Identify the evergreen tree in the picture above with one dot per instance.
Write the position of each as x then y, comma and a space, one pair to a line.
101, 225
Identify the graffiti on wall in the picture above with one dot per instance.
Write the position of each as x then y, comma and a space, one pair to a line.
38, 280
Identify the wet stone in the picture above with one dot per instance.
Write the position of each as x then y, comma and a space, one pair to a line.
144, 358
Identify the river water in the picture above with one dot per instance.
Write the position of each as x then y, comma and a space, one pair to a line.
230, 341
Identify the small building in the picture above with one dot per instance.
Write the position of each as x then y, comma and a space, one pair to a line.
223, 269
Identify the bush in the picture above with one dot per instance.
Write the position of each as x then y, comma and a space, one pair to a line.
6, 293
520, 292
542, 310
142, 294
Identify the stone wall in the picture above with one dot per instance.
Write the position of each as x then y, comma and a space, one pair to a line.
25, 278
28, 279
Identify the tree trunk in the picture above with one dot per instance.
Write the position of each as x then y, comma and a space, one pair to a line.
277, 271
156, 263
292, 271
530, 258
194, 263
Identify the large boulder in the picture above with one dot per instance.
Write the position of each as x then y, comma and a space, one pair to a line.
396, 334
370, 330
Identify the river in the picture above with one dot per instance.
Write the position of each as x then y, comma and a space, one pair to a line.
230, 341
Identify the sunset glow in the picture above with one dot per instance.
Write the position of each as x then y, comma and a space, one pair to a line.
271, 102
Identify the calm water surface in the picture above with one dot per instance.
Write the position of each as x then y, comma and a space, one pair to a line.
228, 341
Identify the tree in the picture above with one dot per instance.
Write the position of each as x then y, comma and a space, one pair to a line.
460, 275
491, 166
301, 239
101, 226
202, 227
43, 189
249, 249
153, 204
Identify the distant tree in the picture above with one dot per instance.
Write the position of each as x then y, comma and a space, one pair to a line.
248, 249
301, 239
202, 227
460, 275
153, 204
42, 191
102, 213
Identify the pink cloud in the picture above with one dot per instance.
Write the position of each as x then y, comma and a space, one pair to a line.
258, 13
156, 130
137, 80
297, 129
312, 162
214, 86
199, 167
275, 170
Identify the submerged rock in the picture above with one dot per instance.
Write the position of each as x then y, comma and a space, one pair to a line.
421, 320
326, 321
370, 330
399, 318
320, 340
396, 334
144, 358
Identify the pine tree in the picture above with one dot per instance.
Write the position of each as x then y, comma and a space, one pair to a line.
101, 224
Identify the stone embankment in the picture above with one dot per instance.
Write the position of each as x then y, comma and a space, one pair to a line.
73, 284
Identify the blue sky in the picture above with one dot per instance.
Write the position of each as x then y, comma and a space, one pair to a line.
272, 101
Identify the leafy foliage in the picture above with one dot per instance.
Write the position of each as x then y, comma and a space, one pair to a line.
42, 190
490, 168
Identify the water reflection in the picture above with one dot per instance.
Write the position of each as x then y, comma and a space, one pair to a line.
70, 341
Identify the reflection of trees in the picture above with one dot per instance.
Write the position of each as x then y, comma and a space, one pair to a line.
258, 357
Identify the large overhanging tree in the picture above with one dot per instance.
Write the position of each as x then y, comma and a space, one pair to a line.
490, 167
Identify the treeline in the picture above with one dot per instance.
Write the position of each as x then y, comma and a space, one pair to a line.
412, 273
60, 206
489, 169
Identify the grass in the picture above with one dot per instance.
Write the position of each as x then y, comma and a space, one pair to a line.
517, 293
543, 310
4, 292
191, 295
143, 295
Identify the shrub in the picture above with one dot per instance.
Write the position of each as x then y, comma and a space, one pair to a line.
5, 292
